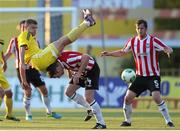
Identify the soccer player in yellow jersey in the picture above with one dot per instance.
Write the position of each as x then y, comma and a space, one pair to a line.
31, 54
4, 85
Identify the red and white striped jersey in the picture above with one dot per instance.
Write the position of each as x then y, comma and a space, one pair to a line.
71, 60
145, 54
13, 48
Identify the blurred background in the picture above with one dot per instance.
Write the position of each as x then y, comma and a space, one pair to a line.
115, 24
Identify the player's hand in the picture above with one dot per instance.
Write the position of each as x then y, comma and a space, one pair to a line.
105, 53
76, 78
25, 85
168, 51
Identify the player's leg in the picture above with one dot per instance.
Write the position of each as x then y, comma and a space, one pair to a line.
9, 105
127, 107
26, 97
76, 32
91, 85
38, 82
135, 89
154, 87
162, 108
45, 99
76, 97
7, 98
89, 95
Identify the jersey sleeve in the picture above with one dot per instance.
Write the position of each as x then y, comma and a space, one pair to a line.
127, 46
158, 44
23, 39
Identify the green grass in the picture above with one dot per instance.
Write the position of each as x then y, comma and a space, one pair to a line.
73, 119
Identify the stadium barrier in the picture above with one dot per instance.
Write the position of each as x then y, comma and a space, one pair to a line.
174, 101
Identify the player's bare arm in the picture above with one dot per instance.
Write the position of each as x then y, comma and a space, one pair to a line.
4, 64
117, 53
8, 53
84, 63
23, 67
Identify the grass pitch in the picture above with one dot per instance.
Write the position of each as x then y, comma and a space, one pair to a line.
73, 119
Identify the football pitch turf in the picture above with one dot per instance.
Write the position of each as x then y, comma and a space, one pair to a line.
73, 119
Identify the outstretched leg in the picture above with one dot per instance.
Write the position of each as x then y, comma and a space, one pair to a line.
76, 32
100, 123
127, 107
162, 108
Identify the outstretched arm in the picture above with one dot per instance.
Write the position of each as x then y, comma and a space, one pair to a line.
117, 53
8, 52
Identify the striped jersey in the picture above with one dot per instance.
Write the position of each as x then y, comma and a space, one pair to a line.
145, 54
13, 48
71, 60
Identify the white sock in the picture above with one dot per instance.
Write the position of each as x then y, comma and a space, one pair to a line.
47, 104
97, 112
164, 111
79, 99
127, 109
27, 104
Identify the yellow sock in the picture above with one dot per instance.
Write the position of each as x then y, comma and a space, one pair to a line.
8, 105
76, 32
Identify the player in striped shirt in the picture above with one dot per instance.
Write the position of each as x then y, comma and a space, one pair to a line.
83, 72
145, 49
33, 77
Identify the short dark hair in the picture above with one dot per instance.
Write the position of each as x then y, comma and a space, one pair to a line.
31, 21
51, 70
22, 22
141, 21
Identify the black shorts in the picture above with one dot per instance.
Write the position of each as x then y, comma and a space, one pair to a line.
32, 76
141, 84
91, 80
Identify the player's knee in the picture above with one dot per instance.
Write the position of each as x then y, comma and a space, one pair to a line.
127, 100
68, 93
27, 93
89, 99
157, 100
43, 90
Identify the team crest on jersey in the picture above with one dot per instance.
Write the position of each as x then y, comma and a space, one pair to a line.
147, 45
26, 48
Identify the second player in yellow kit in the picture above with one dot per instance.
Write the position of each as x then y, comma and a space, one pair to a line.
5, 86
